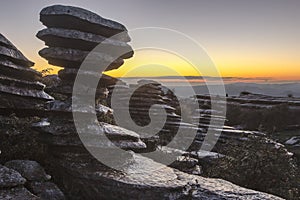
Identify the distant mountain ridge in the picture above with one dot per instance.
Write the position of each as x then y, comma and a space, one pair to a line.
276, 89
279, 89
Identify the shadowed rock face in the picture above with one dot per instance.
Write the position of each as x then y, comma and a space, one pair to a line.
9, 52
11, 69
31, 170
15, 56
12, 185
10, 178
35, 182
18, 81
22, 98
5, 42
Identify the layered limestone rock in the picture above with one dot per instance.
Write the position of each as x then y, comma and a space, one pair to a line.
247, 154
19, 86
71, 43
74, 39
146, 100
22, 103
73, 32
22, 98
71, 35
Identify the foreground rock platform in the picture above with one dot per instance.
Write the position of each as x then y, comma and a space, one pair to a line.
146, 179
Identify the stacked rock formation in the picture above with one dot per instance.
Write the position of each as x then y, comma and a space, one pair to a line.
22, 98
82, 176
69, 43
19, 89
71, 34
149, 98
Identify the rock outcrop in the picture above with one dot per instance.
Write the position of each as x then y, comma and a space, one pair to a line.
19, 86
12, 185
73, 32
272, 165
146, 95
22, 98
67, 44
22, 103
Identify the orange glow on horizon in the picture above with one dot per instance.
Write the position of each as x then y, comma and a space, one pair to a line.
259, 69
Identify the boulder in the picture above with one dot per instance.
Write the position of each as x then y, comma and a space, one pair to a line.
10, 178
37, 181
31, 170
46, 190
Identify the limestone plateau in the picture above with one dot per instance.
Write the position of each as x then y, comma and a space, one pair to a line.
38, 129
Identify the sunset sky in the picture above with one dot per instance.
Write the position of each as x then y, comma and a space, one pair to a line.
257, 38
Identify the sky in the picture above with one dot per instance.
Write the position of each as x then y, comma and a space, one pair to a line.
252, 39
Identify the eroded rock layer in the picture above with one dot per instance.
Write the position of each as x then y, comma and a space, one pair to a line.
19, 86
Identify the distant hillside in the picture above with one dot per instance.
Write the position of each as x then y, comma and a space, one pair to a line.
278, 89
233, 89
